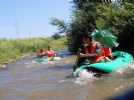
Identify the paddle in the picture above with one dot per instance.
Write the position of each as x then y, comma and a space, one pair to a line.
77, 59
59, 55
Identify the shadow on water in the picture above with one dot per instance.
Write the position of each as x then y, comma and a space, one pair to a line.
5, 68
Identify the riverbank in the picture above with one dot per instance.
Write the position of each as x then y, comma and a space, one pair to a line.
12, 50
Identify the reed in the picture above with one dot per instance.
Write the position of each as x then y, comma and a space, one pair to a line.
14, 49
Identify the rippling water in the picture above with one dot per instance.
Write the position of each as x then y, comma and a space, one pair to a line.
27, 79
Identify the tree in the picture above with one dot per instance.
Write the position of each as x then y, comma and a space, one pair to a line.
120, 21
100, 14
56, 36
83, 21
61, 24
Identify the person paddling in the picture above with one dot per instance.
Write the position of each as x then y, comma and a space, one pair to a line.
50, 52
93, 51
41, 53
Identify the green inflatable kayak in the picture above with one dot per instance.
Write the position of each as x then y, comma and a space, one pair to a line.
121, 59
45, 59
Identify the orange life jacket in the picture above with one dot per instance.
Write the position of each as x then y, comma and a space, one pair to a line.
50, 53
99, 57
108, 52
41, 54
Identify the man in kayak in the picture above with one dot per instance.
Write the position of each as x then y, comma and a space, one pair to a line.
50, 52
92, 52
41, 53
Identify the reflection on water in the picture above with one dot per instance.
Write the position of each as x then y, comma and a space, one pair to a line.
53, 80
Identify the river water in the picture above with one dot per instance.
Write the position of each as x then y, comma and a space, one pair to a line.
27, 79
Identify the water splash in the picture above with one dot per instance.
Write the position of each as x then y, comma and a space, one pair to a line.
85, 77
125, 69
123, 72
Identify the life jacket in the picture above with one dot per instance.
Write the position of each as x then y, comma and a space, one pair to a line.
50, 53
108, 52
41, 54
99, 57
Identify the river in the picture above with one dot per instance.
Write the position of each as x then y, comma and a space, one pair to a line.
27, 79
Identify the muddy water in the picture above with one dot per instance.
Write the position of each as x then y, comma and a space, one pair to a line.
27, 79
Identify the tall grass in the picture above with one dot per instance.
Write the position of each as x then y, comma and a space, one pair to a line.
14, 49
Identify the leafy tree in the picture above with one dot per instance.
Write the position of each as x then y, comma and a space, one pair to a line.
120, 22
56, 36
62, 26
83, 21
101, 14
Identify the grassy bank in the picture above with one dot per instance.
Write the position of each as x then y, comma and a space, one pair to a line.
14, 49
